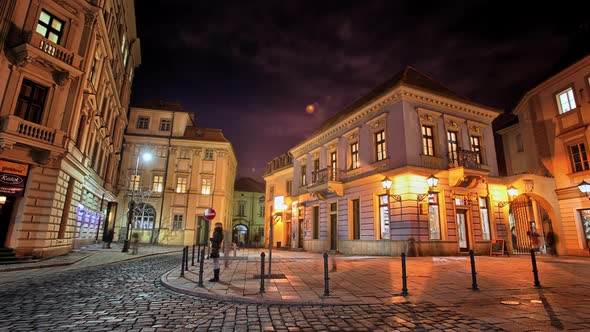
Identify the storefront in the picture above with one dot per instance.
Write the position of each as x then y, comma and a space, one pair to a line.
13, 179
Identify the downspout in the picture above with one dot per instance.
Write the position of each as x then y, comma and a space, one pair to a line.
156, 236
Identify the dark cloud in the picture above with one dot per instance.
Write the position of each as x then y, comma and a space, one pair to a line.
252, 67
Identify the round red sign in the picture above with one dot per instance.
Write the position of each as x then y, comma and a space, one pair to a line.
209, 214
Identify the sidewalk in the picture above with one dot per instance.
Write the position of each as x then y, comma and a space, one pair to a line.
506, 296
91, 255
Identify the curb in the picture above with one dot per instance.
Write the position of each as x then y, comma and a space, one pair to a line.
246, 300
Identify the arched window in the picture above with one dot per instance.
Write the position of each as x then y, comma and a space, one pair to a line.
145, 215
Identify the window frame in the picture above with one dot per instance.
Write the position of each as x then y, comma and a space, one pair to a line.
354, 155
384, 223
477, 148
434, 210
315, 222
355, 219
158, 186
177, 218
316, 170
303, 175
573, 99
134, 182
206, 186
37, 117
380, 145
484, 211
289, 187
583, 153
49, 26
143, 119
428, 145
181, 186
166, 123
208, 154
453, 146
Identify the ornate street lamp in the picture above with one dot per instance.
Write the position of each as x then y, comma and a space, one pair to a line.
512, 193
146, 156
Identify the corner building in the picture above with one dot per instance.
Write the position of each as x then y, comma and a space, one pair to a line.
405, 130
66, 69
190, 169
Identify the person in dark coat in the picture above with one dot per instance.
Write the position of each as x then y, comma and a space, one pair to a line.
216, 241
110, 236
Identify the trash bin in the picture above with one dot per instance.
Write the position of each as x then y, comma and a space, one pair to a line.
279, 244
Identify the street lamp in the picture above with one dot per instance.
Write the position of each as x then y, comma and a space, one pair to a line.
146, 156
585, 188
278, 207
386, 184
512, 192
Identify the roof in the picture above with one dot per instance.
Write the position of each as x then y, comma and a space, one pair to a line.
249, 185
205, 134
409, 77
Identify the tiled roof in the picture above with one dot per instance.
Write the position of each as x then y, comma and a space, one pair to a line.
204, 134
249, 185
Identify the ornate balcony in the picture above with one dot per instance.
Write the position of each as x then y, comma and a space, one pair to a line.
14, 129
432, 162
325, 181
470, 160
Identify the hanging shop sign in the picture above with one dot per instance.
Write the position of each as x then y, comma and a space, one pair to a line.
13, 178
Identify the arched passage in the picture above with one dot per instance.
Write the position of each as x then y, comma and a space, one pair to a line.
530, 219
240, 235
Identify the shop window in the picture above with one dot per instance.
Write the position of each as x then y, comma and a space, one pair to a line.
384, 217
484, 218
433, 217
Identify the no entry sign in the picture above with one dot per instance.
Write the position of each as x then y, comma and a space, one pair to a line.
209, 214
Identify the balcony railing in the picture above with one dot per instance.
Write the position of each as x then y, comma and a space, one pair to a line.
327, 174
469, 159
17, 126
53, 49
432, 162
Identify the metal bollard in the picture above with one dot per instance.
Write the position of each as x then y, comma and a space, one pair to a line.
182, 263
198, 252
404, 276
473, 273
193, 259
186, 259
200, 283
535, 271
262, 272
326, 278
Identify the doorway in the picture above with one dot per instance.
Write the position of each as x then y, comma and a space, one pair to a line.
333, 232
463, 230
288, 229
301, 233
240, 235
5, 214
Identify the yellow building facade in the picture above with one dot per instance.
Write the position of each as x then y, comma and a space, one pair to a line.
174, 170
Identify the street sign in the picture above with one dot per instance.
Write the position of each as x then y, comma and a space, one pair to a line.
209, 214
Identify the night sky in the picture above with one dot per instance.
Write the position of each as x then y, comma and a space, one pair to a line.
252, 67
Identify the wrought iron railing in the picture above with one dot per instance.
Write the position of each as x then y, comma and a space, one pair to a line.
327, 174
470, 159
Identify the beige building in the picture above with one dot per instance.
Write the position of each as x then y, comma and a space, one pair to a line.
189, 169
547, 158
406, 131
248, 219
279, 182
66, 69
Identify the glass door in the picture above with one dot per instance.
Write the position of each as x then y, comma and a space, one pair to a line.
462, 230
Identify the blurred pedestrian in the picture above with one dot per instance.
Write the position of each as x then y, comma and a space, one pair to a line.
110, 236
551, 241
216, 241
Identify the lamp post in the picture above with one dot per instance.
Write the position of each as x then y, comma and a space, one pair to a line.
386, 184
278, 207
512, 192
146, 156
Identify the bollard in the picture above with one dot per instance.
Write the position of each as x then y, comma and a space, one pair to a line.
200, 283
326, 278
182, 263
262, 272
535, 271
198, 252
473, 273
186, 259
193, 258
208, 251
404, 276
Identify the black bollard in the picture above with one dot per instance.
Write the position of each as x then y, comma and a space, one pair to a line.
535, 271
198, 252
262, 272
326, 278
182, 263
473, 273
200, 283
404, 276
186, 259
193, 258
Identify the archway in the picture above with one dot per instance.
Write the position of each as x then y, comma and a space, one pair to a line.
144, 217
240, 235
530, 219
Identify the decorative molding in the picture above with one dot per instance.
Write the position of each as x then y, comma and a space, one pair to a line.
67, 6
62, 78
89, 19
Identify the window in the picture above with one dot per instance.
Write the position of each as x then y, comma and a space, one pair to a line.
315, 231
134, 182
384, 217
123, 42
261, 211
161, 151
380, 151
185, 153
241, 209
303, 175
427, 141
585, 218
289, 187
31, 101
92, 73
519, 145
566, 100
50, 27
476, 147
165, 124
158, 185
578, 157
453, 146
271, 192
181, 183
333, 166
143, 122
356, 219
177, 222
433, 217
205, 186
208, 154
316, 171
354, 155
145, 215
485, 218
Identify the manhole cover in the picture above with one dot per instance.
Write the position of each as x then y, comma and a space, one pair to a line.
510, 302
274, 276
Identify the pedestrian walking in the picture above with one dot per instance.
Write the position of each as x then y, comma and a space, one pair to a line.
551, 240
134, 243
110, 236
216, 241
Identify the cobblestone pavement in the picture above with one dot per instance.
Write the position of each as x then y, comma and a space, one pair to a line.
127, 296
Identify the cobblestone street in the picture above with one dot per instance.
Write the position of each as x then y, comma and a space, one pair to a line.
127, 296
